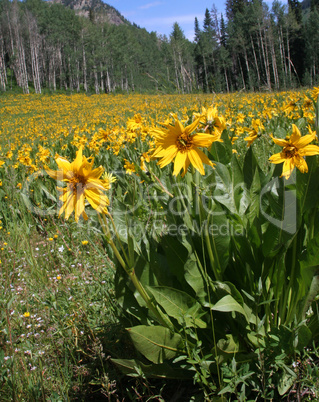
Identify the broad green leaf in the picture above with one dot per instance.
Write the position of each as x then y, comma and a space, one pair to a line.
280, 132
237, 171
223, 187
156, 343
218, 238
177, 255
222, 152
228, 345
229, 304
179, 305
249, 168
255, 234
303, 337
307, 186
254, 193
240, 192
128, 298
281, 214
272, 241
224, 288
310, 257
135, 368
301, 123
45, 191
161, 269
310, 297
144, 271
286, 381
194, 277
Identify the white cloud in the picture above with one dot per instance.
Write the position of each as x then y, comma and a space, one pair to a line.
150, 5
180, 19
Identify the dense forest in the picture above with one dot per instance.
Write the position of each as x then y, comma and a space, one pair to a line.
48, 46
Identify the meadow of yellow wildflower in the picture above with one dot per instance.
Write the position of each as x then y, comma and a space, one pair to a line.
207, 204
34, 128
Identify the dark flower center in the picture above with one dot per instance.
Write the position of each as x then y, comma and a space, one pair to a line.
77, 183
289, 152
184, 142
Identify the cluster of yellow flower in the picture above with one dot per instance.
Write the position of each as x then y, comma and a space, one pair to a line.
44, 127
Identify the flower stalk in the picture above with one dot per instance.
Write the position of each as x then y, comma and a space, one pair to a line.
131, 273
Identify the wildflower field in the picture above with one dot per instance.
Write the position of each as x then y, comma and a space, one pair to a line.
159, 247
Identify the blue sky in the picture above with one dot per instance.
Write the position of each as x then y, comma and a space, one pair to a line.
160, 15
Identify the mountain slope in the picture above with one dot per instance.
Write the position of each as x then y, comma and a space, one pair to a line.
96, 10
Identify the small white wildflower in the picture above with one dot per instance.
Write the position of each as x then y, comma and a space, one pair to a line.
309, 312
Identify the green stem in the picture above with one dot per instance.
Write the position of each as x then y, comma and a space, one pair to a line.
290, 289
108, 237
313, 292
209, 250
131, 273
311, 226
195, 191
116, 234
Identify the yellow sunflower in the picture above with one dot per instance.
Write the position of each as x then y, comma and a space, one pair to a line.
83, 183
295, 148
315, 93
212, 122
253, 134
177, 142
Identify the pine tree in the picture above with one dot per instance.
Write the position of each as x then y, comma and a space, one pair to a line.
196, 30
223, 31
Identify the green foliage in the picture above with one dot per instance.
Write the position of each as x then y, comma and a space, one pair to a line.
232, 281
52, 48
216, 283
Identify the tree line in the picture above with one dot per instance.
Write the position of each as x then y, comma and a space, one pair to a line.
47, 47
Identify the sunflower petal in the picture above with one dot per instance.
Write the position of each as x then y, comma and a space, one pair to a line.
196, 161
309, 150
301, 164
79, 206
281, 142
63, 164
179, 163
68, 199
204, 158
203, 140
189, 129
168, 157
97, 199
287, 168
295, 136
76, 164
277, 158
